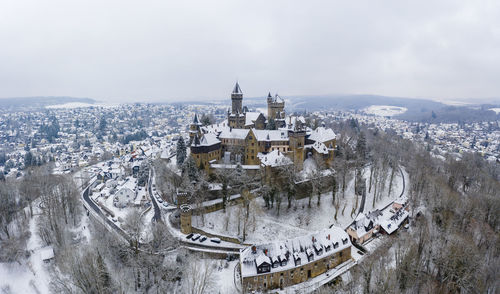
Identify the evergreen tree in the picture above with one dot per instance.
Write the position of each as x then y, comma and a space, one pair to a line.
190, 169
3, 158
361, 146
206, 120
181, 151
271, 124
102, 124
28, 159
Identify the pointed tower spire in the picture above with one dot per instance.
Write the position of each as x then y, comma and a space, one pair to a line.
237, 89
195, 120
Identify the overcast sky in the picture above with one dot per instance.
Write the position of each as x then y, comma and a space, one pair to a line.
169, 50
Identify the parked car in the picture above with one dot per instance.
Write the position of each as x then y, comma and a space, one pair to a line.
215, 240
195, 237
189, 236
165, 204
159, 200
203, 238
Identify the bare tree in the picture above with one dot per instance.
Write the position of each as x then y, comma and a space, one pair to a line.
133, 226
198, 277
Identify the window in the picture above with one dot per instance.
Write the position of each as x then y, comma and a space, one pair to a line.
252, 156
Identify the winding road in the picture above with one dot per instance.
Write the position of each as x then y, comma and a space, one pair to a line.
90, 204
157, 216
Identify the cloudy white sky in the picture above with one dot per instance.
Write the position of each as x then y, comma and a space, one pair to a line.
120, 50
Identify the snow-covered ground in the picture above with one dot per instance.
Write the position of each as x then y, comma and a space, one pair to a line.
384, 197
224, 276
31, 275
385, 110
265, 225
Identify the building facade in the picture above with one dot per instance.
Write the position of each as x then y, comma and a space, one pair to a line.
282, 264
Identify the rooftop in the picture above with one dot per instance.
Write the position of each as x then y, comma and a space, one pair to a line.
317, 245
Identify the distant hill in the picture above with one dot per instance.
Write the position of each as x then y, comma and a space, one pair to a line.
419, 110
36, 103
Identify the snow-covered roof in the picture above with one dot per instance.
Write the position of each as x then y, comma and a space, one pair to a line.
274, 158
391, 223
216, 128
322, 134
276, 98
47, 253
234, 134
207, 139
233, 166
251, 117
333, 238
291, 121
362, 223
319, 147
261, 259
270, 135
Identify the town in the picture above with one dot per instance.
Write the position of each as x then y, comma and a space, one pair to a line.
274, 195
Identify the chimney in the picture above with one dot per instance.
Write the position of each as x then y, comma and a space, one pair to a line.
328, 236
254, 249
265, 252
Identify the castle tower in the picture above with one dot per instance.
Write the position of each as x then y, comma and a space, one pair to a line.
182, 198
236, 118
194, 128
186, 213
237, 99
297, 141
275, 107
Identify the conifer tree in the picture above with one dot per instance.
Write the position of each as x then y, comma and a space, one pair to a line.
181, 151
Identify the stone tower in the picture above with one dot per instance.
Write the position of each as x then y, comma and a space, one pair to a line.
236, 118
194, 128
275, 107
186, 213
297, 141
237, 99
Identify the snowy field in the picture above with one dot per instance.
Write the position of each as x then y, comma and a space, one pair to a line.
265, 225
224, 276
385, 110
30, 275
496, 110
72, 105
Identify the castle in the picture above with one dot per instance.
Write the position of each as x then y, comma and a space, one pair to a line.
254, 140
